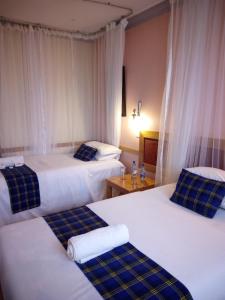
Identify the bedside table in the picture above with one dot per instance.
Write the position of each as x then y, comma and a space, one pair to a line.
125, 186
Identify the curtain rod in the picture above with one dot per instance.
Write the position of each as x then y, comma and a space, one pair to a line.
80, 34
112, 5
5, 20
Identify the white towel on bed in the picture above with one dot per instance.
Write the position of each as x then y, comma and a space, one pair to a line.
11, 161
84, 247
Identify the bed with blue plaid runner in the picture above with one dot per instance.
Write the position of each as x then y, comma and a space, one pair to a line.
23, 188
122, 273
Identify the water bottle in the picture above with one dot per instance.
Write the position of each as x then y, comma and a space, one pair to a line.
133, 171
142, 172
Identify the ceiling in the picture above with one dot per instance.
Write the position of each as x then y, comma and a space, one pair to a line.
72, 15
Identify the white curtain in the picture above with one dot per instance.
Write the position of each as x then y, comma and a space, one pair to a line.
99, 95
192, 128
115, 36
56, 89
46, 89
109, 52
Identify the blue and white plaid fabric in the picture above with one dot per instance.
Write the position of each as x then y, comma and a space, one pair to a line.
23, 188
85, 153
122, 273
198, 193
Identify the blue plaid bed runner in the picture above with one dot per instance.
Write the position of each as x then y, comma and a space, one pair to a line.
122, 273
23, 188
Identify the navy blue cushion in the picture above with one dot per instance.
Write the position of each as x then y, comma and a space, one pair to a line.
85, 153
198, 193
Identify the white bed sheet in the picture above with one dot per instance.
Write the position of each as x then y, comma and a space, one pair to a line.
64, 183
33, 264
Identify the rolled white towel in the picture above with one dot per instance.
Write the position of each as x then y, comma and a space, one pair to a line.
11, 161
84, 247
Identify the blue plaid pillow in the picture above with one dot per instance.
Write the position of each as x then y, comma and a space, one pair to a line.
198, 193
85, 153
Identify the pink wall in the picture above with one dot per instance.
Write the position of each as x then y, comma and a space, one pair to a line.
145, 61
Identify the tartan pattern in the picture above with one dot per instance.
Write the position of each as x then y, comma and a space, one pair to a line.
23, 188
198, 193
85, 153
122, 273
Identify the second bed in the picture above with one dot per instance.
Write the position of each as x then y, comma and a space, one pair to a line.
64, 182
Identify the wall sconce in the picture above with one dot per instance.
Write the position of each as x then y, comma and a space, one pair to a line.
139, 121
137, 112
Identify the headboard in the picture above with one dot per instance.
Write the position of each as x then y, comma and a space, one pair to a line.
148, 148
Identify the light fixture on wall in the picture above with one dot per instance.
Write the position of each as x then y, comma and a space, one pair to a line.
137, 112
139, 121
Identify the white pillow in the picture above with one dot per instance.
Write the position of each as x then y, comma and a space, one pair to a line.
107, 157
211, 173
104, 149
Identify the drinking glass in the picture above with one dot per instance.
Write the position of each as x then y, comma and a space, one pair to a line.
122, 173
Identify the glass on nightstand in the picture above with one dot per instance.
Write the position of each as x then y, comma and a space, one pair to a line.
122, 173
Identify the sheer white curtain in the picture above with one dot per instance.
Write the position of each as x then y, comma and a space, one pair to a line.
67, 82
46, 89
99, 92
192, 129
56, 89
108, 64
115, 40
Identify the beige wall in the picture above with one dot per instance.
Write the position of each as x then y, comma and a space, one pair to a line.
145, 61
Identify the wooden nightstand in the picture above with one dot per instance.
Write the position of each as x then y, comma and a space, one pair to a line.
125, 186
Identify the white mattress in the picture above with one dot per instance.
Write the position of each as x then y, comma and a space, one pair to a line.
34, 265
64, 183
